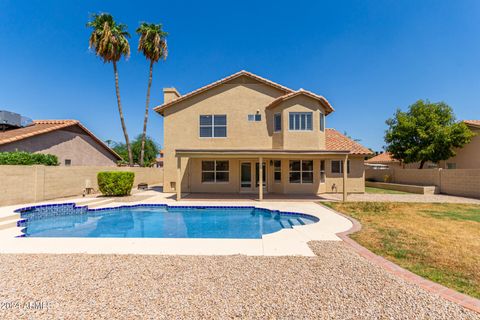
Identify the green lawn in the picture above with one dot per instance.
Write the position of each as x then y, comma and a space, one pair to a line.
440, 242
383, 191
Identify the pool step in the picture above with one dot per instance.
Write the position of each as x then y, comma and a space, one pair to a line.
9, 216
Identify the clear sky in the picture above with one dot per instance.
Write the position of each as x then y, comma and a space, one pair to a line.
366, 57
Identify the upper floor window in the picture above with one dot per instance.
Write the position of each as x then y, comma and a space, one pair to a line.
300, 121
322, 122
277, 122
254, 117
213, 126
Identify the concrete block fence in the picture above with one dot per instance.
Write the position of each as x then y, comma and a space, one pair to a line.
457, 182
25, 184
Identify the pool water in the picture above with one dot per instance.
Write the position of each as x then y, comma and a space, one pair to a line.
157, 222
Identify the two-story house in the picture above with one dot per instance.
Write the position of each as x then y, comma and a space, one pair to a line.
247, 134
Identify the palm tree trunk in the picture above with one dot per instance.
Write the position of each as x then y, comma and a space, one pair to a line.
120, 111
144, 134
421, 164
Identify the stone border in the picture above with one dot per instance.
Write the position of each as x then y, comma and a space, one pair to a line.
430, 286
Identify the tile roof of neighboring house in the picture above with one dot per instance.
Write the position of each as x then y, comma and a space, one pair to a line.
162, 107
303, 92
475, 123
385, 157
39, 127
335, 141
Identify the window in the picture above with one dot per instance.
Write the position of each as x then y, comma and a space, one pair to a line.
215, 171
322, 171
68, 162
255, 117
301, 171
300, 121
277, 171
277, 122
451, 166
337, 166
213, 126
322, 122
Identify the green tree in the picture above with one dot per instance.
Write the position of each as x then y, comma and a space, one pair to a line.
426, 132
150, 150
109, 40
153, 45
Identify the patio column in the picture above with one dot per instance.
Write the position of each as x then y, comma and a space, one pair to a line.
178, 184
345, 171
260, 178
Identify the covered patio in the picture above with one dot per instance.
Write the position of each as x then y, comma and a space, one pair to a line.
238, 186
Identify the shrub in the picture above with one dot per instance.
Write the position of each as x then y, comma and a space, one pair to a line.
27, 158
115, 183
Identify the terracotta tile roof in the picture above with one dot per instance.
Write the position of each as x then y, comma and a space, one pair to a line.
475, 123
335, 141
304, 92
385, 157
39, 127
162, 107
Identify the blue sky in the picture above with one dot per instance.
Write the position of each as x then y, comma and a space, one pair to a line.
366, 57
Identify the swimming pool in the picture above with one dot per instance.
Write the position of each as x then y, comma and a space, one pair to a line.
156, 221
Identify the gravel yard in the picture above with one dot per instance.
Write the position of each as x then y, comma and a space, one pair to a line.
337, 284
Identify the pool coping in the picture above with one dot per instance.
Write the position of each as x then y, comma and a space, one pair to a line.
285, 242
428, 285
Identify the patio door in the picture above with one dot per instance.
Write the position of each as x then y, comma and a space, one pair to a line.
245, 176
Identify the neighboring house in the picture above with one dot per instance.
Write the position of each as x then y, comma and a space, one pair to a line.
247, 134
385, 161
69, 140
467, 157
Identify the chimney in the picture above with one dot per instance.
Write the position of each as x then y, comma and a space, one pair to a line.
170, 94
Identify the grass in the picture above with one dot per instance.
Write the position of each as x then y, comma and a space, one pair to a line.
383, 191
440, 242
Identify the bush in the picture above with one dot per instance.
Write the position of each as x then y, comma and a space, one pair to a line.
27, 158
115, 183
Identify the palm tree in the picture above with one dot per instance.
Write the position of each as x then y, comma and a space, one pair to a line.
109, 40
153, 44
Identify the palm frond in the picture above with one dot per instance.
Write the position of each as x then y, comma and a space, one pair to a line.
153, 41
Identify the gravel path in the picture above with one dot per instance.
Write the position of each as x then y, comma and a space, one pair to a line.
378, 197
337, 284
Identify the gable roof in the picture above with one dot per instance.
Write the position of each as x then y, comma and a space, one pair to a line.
162, 107
310, 94
384, 157
335, 141
473, 123
39, 127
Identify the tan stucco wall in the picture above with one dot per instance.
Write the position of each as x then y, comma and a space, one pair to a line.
192, 182
236, 99
24, 184
71, 143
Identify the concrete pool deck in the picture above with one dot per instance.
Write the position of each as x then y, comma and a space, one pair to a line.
285, 242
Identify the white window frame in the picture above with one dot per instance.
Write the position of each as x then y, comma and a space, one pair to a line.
341, 166
323, 175
214, 171
302, 116
257, 117
301, 171
279, 115
277, 169
322, 122
212, 125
